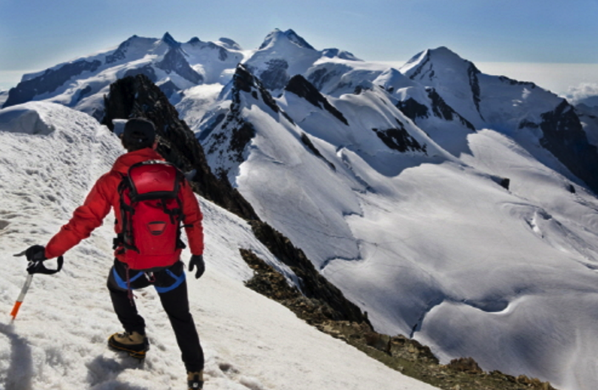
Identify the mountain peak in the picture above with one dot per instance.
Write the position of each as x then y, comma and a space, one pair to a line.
229, 44
170, 41
342, 54
442, 56
289, 35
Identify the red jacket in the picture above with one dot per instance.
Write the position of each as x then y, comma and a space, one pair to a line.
104, 196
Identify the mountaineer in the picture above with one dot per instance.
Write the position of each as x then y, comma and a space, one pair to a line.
151, 199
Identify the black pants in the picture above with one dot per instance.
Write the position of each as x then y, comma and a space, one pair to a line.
172, 290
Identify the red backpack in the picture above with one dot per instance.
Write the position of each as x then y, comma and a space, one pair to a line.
152, 212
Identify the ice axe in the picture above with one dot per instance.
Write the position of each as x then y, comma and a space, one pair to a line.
34, 267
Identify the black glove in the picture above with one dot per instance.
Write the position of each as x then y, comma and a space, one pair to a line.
197, 261
36, 253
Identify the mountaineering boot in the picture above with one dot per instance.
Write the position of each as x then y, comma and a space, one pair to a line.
195, 380
135, 343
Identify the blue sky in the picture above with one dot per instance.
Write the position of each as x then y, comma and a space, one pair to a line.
37, 34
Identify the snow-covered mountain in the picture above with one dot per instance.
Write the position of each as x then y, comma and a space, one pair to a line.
430, 245
172, 65
59, 337
455, 207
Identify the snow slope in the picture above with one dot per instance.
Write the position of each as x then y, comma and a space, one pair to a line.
51, 156
431, 244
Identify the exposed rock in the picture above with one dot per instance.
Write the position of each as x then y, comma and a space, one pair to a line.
444, 111
413, 109
422, 67
234, 132
303, 88
399, 139
244, 80
226, 135
81, 94
307, 142
510, 81
174, 61
289, 34
565, 138
474, 84
465, 365
505, 182
313, 284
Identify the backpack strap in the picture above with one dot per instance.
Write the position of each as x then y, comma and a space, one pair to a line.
126, 210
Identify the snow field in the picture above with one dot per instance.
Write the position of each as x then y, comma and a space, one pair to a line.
426, 242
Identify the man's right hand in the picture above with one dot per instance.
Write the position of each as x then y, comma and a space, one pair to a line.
36, 253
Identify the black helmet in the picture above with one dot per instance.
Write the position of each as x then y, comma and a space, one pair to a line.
139, 133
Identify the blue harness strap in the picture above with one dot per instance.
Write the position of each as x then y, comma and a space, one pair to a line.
122, 283
178, 280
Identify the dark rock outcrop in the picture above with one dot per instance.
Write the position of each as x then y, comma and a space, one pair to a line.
310, 145
474, 84
245, 81
174, 61
399, 139
303, 88
442, 110
565, 138
312, 284
413, 109
227, 133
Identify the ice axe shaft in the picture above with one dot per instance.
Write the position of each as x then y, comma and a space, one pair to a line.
17, 306
21, 297
34, 267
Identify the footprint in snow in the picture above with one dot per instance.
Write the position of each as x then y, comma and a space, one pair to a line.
230, 372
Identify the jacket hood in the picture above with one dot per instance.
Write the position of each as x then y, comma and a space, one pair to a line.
124, 162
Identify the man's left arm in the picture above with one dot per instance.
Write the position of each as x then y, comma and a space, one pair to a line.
85, 219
